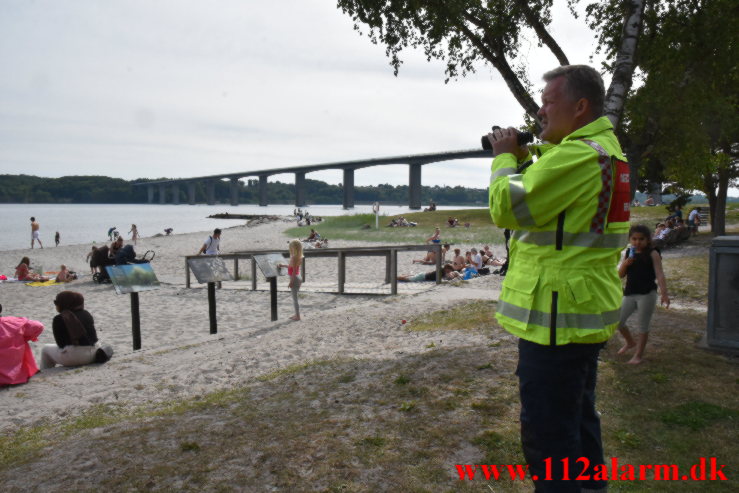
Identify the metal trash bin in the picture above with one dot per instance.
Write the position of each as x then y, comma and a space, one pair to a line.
723, 293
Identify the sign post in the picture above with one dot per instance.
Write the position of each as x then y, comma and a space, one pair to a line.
132, 279
211, 269
135, 321
268, 264
273, 298
376, 210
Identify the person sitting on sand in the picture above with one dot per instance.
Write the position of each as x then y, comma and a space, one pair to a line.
313, 236
168, 231
458, 261
75, 335
447, 273
429, 259
476, 259
64, 275
444, 250
23, 272
436, 237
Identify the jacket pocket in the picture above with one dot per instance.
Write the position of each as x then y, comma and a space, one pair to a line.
521, 283
579, 291
520, 292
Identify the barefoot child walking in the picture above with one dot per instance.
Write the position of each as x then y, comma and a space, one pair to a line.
642, 266
293, 270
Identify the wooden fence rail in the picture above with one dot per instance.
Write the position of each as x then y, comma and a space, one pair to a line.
389, 252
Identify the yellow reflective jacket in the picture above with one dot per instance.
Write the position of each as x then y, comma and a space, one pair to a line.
569, 215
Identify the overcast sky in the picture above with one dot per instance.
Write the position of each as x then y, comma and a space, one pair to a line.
178, 88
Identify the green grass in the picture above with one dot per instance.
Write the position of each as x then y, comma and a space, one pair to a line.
651, 215
361, 227
354, 227
698, 415
687, 277
391, 425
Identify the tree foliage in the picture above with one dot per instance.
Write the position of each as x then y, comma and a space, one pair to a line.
105, 190
683, 122
463, 33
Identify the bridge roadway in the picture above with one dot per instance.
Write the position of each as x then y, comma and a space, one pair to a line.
414, 163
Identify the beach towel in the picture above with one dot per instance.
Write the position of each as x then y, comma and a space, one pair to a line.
50, 282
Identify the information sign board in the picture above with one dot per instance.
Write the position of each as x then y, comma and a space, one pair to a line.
209, 268
132, 278
267, 263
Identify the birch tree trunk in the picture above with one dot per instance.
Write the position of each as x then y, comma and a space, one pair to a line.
623, 69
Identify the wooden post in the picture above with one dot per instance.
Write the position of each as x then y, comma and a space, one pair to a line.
387, 267
437, 249
135, 321
236, 268
393, 272
253, 274
187, 276
302, 269
342, 271
273, 298
212, 307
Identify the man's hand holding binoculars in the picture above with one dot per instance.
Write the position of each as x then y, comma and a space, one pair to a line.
506, 140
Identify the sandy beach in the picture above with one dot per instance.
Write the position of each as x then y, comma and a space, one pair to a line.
180, 358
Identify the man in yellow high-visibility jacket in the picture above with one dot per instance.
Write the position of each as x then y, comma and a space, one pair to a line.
569, 213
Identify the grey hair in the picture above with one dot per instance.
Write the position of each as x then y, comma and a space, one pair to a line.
583, 81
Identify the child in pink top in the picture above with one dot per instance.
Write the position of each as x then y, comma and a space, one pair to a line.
293, 270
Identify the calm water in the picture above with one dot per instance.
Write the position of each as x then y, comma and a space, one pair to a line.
85, 223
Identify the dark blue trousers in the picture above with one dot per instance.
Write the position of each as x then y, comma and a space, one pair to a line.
558, 418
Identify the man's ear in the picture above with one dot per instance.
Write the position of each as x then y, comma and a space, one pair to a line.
582, 108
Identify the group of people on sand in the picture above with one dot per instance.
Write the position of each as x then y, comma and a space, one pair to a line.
304, 218
473, 263
113, 233
24, 272
401, 222
315, 240
673, 229
75, 340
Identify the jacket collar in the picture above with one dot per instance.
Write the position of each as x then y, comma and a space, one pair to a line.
595, 127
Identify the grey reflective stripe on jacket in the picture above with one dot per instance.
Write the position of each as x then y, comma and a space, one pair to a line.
584, 239
594, 321
502, 172
518, 201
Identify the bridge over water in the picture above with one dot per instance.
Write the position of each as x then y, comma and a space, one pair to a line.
414, 162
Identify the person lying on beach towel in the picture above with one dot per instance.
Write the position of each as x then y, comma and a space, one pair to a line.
447, 273
17, 363
23, 272
75, 335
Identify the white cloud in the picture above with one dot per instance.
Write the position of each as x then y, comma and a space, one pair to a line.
182, 88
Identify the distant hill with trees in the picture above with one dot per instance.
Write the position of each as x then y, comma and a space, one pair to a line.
106, 190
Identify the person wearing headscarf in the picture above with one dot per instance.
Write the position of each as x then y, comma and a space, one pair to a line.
75, 335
